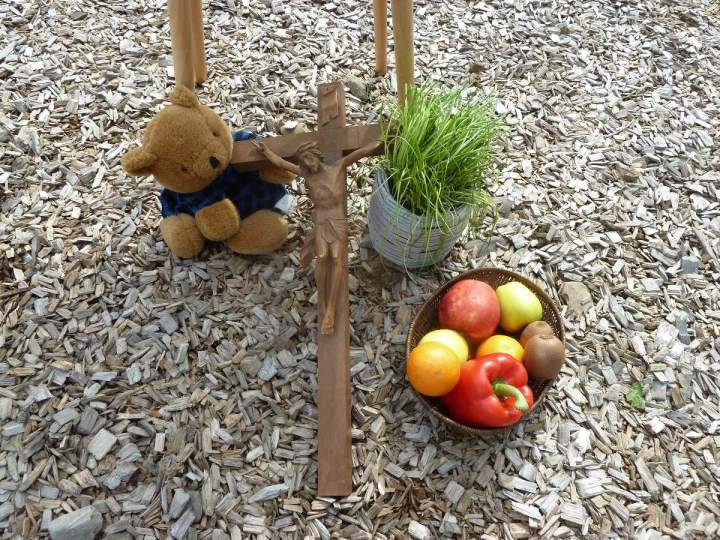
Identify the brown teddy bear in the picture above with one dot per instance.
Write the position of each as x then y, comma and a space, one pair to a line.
187, 148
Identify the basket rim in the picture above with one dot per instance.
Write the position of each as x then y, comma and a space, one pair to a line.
429, 406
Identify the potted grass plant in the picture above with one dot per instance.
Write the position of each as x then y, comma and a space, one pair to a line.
431, 183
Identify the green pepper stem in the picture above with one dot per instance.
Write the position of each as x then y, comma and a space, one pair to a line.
502, 389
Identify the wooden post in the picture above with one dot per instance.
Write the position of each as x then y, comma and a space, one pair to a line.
182, 48
380, 20
402, 22
198, 42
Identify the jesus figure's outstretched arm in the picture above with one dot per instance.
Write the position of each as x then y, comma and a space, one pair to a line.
367, 150
276, 160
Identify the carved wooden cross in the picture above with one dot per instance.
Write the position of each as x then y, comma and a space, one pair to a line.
339, 145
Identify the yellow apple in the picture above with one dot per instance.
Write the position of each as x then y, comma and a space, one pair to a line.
518, 306
454, 340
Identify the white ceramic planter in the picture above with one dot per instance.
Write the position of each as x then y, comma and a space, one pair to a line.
404, 238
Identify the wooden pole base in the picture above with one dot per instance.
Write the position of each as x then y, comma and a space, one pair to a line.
402, 22
188, 43
182, 47
198, 42
380, 22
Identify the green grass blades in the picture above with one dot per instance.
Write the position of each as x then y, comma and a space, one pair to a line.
438, 153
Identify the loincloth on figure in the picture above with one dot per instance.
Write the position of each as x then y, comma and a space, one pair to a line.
332, 230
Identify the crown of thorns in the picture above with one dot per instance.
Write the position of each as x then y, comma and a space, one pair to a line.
310, 147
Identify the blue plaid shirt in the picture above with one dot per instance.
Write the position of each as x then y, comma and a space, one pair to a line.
246, 190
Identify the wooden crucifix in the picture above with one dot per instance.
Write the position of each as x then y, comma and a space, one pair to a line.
321, 158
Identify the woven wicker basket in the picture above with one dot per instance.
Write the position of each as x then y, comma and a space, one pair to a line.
427, 320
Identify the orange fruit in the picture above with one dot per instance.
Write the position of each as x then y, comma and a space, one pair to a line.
433, 369
501, 344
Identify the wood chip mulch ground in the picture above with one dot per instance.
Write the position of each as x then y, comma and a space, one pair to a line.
146, 397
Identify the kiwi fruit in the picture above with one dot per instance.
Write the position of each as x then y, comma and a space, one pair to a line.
544, 356
534, 329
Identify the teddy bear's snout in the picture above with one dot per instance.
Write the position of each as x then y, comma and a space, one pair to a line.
214, 162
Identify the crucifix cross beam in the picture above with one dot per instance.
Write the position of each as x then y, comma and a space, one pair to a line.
322, 158
246, 157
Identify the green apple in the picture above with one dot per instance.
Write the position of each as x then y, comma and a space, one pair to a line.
518, 306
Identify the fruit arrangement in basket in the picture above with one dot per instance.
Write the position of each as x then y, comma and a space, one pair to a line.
490, 342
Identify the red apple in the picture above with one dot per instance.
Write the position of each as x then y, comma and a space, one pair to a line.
471, 307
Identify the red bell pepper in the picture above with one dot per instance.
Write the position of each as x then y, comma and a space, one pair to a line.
492, 392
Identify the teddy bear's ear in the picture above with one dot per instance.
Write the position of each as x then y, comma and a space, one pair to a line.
181, 95
139, 162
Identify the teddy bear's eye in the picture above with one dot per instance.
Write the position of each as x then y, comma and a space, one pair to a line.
216, 134
184, 168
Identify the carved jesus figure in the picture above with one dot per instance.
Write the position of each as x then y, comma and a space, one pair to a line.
325, 183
